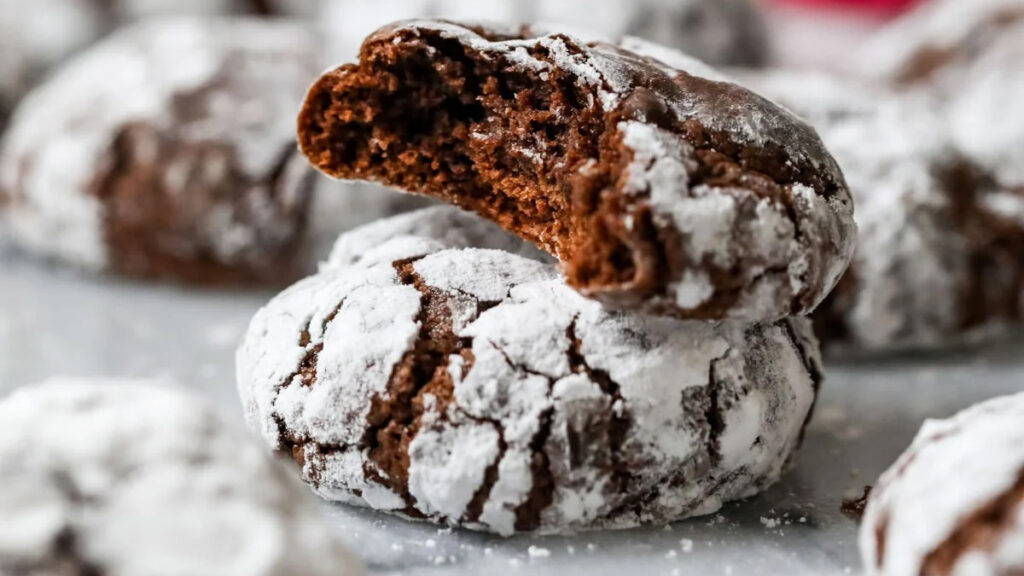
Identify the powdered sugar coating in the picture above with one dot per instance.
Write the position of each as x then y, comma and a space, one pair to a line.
912, 276
124, 477
615, 406
720, 31
231, 86
922, 516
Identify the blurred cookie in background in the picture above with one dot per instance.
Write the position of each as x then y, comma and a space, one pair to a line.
938, 260
167, 152
940, 34
968, 56
36, 35
724, 32
131, 478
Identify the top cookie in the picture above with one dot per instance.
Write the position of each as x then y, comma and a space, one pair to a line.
660, 185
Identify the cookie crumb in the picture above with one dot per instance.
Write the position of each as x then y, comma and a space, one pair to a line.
853, 508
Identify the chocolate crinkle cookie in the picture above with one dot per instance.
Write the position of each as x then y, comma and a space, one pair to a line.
724, 32
953, 504
167, 151
472, 387
128, 478
939, 256
660, 185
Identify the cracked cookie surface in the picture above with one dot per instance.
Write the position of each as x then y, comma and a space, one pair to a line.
940, 256
167, 151
659, 184
472, 387
124, 478
953, 503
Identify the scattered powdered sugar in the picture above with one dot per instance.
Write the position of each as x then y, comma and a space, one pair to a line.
547, 365
100, 463
952, 470
538, 552
244, 80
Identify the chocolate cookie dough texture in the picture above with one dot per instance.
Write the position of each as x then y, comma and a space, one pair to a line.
953, 504
167, 151
939, 254
129, 478
725, 32
663, 189
473, 388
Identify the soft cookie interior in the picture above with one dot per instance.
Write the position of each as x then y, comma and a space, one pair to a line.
522, 146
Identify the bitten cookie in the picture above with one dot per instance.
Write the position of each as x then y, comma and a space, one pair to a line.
474, 388
725, 32
126, 478
953, 504
167, 151
939, 258
666, 190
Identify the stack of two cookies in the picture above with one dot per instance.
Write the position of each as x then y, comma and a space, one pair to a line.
442, 368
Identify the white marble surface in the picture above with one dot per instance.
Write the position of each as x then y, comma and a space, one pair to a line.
55, 322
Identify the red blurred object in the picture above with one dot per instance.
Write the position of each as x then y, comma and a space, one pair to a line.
875, 6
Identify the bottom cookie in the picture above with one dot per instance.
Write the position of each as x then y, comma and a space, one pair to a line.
124, 478
474, 388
